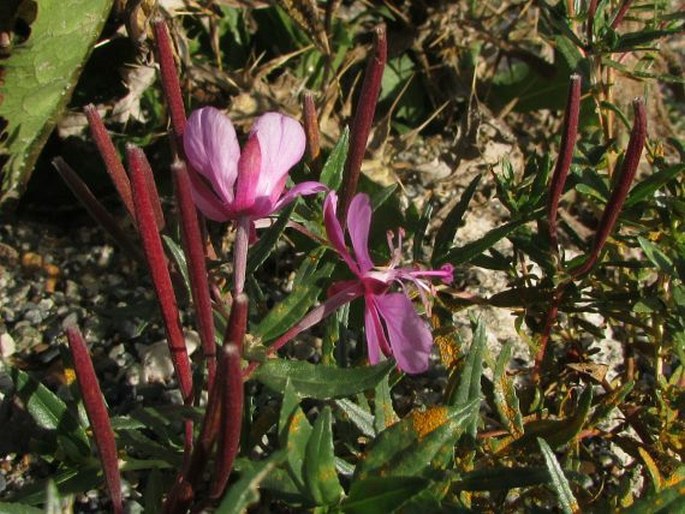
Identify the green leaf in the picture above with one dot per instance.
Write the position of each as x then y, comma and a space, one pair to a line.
464, 254
560, 483
51, 413
419, 230
646, 188
267, 241
18, 508
422, 442
500, 478
382, 494
383, 411
294, 307
294, 432
320, 382
657, 257
361, 417
669, 499
332, 171
454, 219
180, 259
559, 432
318, 470
68, 481
245, 491
469, 389
506, 401
39, 78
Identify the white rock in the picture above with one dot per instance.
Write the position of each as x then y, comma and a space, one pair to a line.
7, 346
157, 364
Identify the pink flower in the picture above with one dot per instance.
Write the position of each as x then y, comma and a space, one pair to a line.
230, 184
392, 325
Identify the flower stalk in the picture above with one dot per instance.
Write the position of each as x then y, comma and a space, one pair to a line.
231, 393
363, 118
631, 160
563, 164
97, 415
170, 81
193, 247
137, 160
113, 164
161, 280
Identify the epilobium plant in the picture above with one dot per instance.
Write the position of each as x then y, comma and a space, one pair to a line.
363, 414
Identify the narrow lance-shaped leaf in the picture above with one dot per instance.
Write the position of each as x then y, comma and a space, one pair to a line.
363, 118
97, 414
197, 268
560, 484
154, 253
113, 164
319, 465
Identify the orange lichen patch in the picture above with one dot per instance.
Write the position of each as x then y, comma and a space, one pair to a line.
31, 261
424, 422
53, 273
448, 348
69, 375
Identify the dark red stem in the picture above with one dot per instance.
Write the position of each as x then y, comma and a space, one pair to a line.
591, 12
363, 119
110, 156
170, 82
624, 180
154, 253
232, 395
568, 141
625, 5
96, 209
197, 269
97, 414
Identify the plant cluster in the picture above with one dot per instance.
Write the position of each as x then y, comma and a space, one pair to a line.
327, 433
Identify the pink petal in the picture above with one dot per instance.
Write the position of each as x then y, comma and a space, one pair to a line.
212, 149
206, 200
301, 189
335, 232
248, 176
282, 142
409, 336
358, 223
376, 340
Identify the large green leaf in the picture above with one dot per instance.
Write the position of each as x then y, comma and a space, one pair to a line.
318, 468
320, 382
39, 78
453, 220
560, 484
418, 443
332, 171
18, 508
51, 413
382, 494
469, 389
245, 491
